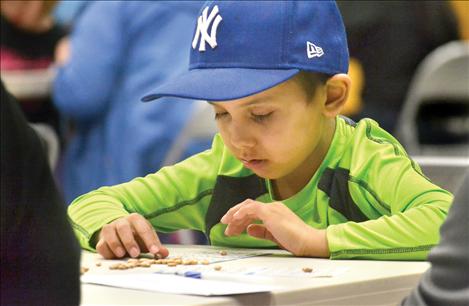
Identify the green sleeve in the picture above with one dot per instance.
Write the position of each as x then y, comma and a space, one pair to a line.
411, 208
407, 235
173, 198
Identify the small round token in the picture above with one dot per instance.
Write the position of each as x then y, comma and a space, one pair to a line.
217, 268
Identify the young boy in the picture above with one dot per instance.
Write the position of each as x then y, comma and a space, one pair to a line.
286, 170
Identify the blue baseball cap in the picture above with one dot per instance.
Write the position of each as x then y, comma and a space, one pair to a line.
240, 48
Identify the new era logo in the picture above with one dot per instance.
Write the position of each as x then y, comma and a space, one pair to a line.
313, 51
203, 24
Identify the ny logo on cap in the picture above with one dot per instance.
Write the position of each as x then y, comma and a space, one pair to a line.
313, 51
203, 23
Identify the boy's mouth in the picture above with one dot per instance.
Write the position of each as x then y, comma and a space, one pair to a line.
253, 164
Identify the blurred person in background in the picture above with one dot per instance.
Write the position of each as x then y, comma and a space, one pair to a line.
67, 12
116, 51
447, 280
387, 41
40, 256
29, 36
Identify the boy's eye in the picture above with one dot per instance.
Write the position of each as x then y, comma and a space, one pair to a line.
261, 117
220, 115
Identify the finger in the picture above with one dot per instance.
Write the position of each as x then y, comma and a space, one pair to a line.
126, 235
103, 249
109, 235
252, 210
245, 215
237, 226
140, 243
229, 214
162, 253
146, 233
260, 231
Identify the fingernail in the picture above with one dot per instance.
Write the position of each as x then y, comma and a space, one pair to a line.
154, 249
120, 252
134, 252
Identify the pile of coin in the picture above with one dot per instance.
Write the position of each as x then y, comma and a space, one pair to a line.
146, 263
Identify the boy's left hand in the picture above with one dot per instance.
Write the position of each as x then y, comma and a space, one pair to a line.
280, 225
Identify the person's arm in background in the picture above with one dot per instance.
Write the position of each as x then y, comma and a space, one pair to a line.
87, 77
447, 281
40, 255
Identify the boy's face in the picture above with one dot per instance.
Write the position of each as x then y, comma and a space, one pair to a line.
277, 133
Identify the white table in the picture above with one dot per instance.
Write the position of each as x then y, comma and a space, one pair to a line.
365, 283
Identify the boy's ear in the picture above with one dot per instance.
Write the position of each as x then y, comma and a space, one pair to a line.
337, 91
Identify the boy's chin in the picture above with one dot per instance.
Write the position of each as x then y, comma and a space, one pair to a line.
266, 174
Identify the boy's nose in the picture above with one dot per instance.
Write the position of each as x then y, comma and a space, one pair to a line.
241, 137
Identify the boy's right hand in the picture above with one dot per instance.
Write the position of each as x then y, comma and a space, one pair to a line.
129, 235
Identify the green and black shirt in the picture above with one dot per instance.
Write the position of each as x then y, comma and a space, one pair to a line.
371, 197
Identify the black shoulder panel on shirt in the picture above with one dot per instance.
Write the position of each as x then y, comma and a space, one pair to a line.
230, 191
334, 182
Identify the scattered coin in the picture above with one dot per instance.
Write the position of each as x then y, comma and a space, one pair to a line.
217, 268
307, 270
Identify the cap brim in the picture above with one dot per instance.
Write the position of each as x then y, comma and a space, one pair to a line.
221, 84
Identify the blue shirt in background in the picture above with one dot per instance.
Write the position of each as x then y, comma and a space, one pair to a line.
65, 12
120, 51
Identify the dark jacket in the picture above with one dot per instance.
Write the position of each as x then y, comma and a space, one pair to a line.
40, 256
